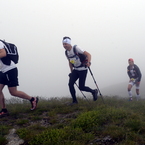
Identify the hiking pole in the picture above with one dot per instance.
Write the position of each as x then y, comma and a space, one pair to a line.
82, 92
96, 84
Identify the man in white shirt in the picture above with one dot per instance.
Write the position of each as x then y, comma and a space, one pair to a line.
9, 77
78, 69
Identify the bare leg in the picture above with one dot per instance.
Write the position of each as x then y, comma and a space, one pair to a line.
137, 91
14, 92
2, 99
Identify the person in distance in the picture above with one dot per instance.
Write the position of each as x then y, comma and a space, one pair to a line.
135, 75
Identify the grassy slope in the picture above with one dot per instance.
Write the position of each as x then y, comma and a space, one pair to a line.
118, 121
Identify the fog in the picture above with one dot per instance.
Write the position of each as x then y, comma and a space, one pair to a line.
110, 30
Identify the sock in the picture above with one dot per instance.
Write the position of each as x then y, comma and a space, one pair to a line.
130, 94
32, 99
137, 97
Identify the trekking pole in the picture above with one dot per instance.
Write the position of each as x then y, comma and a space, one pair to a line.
82, 93
96, 84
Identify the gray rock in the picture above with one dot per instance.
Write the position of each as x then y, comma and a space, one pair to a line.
13, 138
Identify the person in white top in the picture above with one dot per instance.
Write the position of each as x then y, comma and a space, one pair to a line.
9, 77
77, 68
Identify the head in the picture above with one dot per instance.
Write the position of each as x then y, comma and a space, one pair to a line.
67, 43
131, 61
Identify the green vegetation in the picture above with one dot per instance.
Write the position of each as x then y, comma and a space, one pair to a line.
54, 122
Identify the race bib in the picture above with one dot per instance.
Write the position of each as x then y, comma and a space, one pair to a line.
72, 61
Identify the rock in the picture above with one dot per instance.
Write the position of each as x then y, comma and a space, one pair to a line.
13, 138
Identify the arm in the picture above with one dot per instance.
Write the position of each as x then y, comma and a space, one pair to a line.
88, 57
2, 53
138, 73
128, 72
70, 65
2, 50
78, 50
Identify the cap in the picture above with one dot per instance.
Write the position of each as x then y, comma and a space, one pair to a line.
130, 59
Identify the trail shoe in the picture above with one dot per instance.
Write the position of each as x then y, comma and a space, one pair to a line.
34, 102
73, 103
4, 113
94, 93
130, 99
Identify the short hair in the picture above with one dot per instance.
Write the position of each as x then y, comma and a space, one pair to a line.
66, 37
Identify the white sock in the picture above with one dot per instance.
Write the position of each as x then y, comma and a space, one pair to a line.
137, 97
130, 94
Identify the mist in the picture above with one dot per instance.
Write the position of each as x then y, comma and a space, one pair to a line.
111, 31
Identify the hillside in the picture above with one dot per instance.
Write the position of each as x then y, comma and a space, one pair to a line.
120, 89
54, 122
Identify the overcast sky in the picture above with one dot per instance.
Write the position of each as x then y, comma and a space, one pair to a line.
111, 30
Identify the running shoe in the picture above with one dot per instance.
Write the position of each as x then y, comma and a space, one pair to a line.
73, 103
4, 113
94, 93
34, 102
130, 99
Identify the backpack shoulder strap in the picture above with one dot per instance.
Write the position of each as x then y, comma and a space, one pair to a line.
74, 49
3, 42
6, 44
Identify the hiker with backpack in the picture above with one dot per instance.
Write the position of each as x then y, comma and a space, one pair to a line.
79, 61
9, 76
135, 75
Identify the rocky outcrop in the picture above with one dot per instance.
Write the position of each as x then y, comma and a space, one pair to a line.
13, 138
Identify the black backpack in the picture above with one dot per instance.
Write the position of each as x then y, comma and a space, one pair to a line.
12, 53
82, 57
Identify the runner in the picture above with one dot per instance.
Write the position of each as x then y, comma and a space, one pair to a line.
77, 68
135, 78
9, 78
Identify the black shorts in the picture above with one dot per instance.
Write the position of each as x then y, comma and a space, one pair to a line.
9, 78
